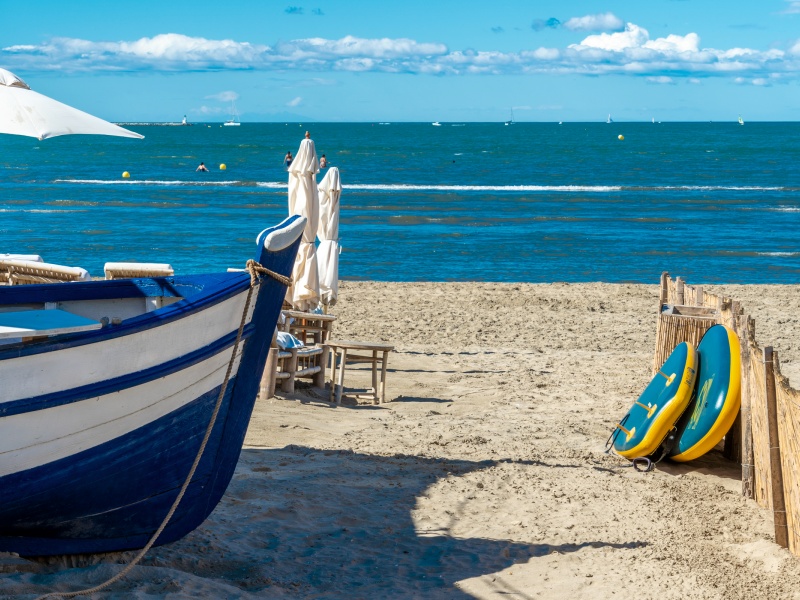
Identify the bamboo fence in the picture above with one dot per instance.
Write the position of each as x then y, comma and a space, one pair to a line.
770, 414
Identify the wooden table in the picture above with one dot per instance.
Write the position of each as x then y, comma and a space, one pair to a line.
341, 350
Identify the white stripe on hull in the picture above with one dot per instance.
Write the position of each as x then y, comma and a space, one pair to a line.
32, 439
49, 372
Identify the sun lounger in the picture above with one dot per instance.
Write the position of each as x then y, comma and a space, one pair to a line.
125, 270
18, 272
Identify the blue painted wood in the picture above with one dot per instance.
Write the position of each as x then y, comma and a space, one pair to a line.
117, 384
201, 292
113, 496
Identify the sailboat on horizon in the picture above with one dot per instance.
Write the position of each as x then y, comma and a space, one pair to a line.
234, 120
741, 120
609, 119
511, 121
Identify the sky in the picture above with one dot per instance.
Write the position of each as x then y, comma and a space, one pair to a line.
410, 60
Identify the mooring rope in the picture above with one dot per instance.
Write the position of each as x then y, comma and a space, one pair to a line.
253, 268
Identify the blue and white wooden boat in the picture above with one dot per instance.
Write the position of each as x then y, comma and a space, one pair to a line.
101, 419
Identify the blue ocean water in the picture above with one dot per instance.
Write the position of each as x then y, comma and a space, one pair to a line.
530, 202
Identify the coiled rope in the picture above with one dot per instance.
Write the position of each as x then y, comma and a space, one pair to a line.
254, 269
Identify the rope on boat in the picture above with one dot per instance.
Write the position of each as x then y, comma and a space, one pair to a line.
254, 269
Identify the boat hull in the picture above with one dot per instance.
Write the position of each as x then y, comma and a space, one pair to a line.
96, 466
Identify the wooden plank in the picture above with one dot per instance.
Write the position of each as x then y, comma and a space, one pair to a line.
776, 469
745, 410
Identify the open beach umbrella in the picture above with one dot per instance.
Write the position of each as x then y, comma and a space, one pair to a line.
25, 112
330, 189
304, 201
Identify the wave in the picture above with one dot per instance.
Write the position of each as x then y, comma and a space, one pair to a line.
152, 182
441, 187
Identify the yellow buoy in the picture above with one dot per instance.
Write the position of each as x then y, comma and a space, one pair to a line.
126, 175
620, 137
222, 167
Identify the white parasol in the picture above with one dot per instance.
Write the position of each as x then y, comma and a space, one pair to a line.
328, 233
304, 201
25, 112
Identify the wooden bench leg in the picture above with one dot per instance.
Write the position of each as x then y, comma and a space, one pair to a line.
267, 388
340, 386
383, 376
334, 356
287, 385
319, 378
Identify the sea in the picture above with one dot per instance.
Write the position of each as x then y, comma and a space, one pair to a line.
714, 202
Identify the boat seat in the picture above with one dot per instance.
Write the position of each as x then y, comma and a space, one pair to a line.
19, 272
126, 270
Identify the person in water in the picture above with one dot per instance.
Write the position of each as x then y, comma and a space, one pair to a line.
323, 162
202, 167
287, 159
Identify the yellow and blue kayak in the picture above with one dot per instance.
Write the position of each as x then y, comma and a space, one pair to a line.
662, 403
717, 396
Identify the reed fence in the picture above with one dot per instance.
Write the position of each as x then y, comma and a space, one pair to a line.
769, 418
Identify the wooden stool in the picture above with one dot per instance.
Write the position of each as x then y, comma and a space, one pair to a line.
340, 349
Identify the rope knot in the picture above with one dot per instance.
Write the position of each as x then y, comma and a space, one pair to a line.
254, 268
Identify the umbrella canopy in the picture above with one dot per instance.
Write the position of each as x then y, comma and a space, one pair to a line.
25, 112
304, 201
328, 233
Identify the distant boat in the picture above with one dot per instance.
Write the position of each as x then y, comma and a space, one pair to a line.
234, 120
609, 119
741, 120
654, 120
436, 124
511, 121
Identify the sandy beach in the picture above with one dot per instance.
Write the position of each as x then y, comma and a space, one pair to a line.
483, 477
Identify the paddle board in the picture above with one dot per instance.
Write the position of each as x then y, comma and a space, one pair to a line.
717, 396
653, 415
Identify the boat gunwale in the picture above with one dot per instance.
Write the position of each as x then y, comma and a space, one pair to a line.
217, 290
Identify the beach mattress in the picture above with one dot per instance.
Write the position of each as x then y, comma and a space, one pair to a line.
663, 401
717, 396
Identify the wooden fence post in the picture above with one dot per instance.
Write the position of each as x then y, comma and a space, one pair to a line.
663, 296
745, 412
776, 470
679, 291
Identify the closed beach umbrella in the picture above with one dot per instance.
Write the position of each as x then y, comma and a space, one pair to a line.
25, 112
328, 233
304, 201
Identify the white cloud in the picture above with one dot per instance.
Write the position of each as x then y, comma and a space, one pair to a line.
662, 79
793, 8
602, 22
224, 96
629, 52
294, 101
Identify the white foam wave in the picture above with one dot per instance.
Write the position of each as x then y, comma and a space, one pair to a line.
484, 188
146, 182
714, 188
439, 188
778, 253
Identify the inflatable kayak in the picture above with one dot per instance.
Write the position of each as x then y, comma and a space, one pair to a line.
717, 397
663, 401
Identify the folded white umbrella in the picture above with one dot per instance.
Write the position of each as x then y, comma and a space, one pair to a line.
25, 112
330, 189
304, 201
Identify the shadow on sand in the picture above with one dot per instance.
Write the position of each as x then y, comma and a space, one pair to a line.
335, 524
